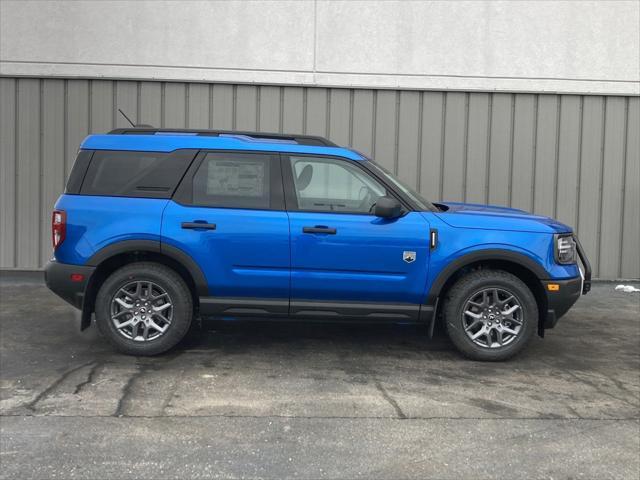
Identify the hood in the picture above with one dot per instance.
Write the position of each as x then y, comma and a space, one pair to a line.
493, 217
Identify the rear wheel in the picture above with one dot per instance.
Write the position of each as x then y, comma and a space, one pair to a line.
490, 315
144, 308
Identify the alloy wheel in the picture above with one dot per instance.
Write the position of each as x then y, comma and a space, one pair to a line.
141, 311
492, 317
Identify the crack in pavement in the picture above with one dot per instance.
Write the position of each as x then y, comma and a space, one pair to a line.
172, 392
622, 385
44, 393
601, 390
89, 380
126, 391
574, 411
595, 386
391, 401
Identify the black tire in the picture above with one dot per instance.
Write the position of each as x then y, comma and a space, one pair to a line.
469, 285
165, 278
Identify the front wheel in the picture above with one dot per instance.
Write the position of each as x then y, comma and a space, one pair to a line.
144, 308
490, 315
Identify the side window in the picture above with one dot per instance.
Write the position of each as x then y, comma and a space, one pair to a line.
331, 185
135, 174
74, 183
233, 180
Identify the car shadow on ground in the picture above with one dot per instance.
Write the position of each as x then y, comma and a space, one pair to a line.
212, 333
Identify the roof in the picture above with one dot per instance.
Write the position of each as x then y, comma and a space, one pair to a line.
165, 140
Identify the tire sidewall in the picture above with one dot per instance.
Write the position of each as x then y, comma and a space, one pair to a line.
464, 290
163, 277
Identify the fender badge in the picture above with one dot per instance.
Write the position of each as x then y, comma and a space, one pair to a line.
409, 257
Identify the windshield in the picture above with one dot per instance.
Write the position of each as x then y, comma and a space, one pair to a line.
414, 196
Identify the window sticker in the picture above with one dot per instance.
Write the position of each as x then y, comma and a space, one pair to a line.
235, 178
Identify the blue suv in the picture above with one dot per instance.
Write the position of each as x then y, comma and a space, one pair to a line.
157, 227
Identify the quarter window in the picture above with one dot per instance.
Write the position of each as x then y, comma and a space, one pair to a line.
233, 181
134, 174
331, 185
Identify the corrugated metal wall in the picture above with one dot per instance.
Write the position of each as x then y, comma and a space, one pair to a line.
576, 158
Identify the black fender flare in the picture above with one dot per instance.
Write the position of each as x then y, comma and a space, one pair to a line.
130, 246
483, 255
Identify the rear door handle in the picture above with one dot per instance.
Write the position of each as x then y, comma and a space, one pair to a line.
319, 229
199, 225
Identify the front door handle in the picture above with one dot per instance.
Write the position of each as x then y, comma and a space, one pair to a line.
319, 229
199, 225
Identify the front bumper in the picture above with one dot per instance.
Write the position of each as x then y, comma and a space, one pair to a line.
58, 278
562, 299
566, 292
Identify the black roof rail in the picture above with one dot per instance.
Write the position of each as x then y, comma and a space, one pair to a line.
300, 139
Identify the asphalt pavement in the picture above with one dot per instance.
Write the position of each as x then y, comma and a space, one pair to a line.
293, 400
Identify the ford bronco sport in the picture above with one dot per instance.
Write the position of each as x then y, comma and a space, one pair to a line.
159, 226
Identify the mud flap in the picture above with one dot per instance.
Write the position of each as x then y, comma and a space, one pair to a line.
429, 314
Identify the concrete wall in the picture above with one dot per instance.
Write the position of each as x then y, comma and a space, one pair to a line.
524, 46
573, 157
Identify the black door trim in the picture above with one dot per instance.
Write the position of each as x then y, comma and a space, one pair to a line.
244, 306
355, 310
314, 310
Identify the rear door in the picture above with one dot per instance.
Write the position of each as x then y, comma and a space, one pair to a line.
228, 215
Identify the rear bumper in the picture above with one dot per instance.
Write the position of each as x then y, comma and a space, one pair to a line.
58, 278
560, 301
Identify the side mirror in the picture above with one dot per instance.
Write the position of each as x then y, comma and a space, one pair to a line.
387, 207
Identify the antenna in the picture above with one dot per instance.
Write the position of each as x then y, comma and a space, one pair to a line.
128, 119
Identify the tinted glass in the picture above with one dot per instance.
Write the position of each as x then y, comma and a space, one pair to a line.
135, 174
233, 181
78, 171
328, 185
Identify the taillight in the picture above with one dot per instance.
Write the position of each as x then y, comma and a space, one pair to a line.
58, 227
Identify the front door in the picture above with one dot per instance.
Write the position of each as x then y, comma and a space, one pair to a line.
345, 260
228, 215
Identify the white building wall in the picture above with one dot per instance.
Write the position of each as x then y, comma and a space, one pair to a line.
530, 46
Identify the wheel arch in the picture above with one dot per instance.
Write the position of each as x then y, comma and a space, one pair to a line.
116, 255
522, 266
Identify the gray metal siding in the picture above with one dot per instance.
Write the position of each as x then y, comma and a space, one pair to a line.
573, 157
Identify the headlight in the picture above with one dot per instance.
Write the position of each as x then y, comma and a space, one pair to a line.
565, 249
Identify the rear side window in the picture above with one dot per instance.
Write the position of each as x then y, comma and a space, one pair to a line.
233, 180
78, 171
135, 174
